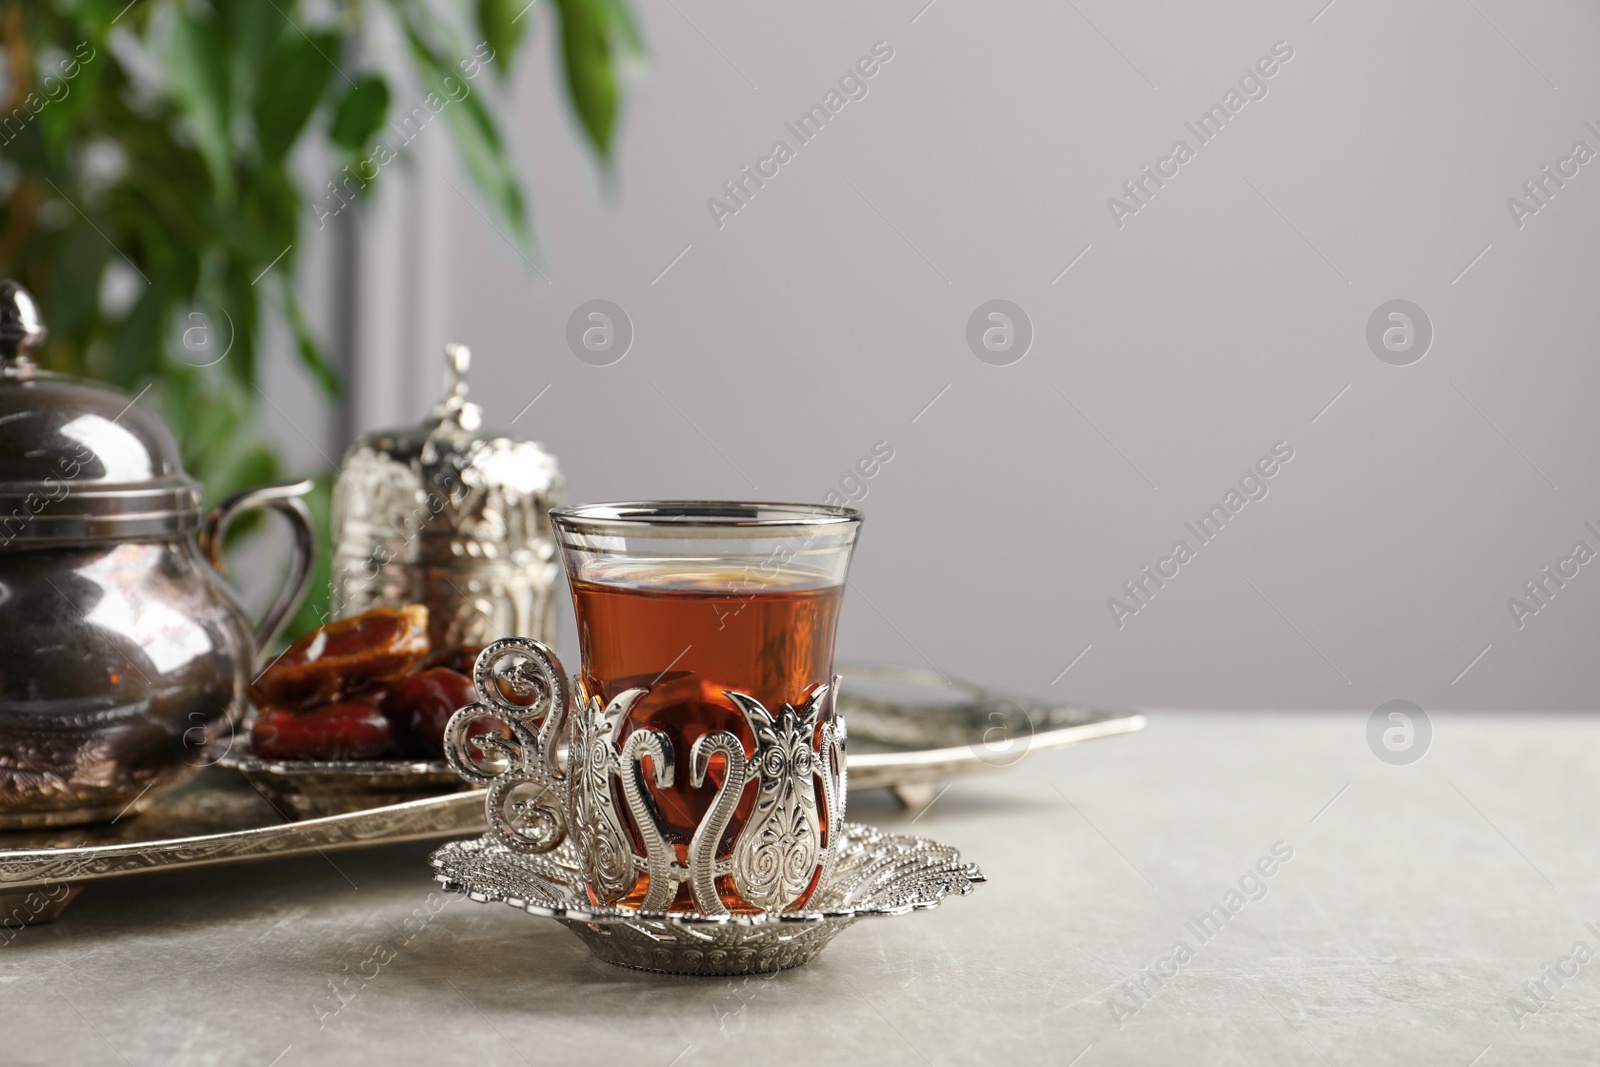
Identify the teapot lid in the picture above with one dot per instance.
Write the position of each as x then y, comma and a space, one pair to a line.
79, 461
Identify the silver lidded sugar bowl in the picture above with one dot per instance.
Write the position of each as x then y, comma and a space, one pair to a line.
125, 659
452, 517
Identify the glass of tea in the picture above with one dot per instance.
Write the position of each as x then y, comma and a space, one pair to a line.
705, 769
707, 761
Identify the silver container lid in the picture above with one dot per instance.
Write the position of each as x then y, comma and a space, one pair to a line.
79, 461
450, 516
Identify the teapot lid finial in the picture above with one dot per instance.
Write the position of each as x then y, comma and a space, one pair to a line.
22, 328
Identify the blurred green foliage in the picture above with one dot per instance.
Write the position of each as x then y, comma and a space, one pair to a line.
151, 198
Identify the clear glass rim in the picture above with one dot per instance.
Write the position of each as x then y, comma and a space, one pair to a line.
641, 515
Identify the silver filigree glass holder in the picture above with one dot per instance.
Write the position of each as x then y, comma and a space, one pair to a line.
559, 842
507, 740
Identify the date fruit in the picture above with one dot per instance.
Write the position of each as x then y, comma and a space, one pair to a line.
419, 706
347, 731
345, 657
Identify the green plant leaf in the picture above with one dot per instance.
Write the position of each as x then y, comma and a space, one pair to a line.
81, 258
502, 23
214, 418
199, 194
623, 30
254, 29
200, 88
476, 135
300, 73
360, 114
311, 354
98, 15
314, 610
591, 81
137, 354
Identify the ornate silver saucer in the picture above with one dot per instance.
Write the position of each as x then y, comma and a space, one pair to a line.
875, 874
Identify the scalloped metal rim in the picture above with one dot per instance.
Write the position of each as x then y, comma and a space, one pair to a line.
968, 873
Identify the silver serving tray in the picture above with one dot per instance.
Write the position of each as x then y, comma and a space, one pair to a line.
909, 729
311, 789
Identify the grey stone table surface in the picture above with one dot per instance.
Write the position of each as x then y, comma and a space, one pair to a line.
1222, 888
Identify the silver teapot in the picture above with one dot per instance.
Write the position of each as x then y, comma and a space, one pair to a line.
125, 659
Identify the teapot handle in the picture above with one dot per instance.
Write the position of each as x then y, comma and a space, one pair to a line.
284, 498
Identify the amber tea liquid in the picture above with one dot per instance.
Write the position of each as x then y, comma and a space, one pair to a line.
687, 631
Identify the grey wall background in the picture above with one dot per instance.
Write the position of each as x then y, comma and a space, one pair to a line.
1226, 316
